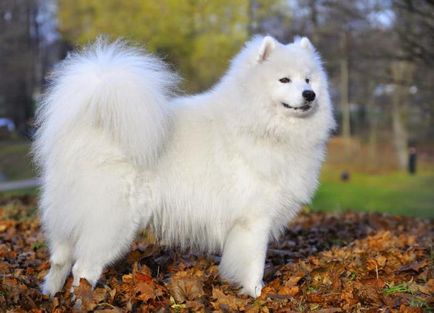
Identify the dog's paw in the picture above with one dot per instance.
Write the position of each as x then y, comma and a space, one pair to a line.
253, 291
49, 289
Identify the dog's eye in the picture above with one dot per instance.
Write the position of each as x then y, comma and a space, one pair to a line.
307, 80
285, 80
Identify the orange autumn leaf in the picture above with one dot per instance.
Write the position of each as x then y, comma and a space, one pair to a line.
289, 291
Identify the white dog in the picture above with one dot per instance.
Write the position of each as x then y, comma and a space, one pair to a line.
222, 171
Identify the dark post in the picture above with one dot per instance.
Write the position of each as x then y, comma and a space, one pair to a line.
412, 160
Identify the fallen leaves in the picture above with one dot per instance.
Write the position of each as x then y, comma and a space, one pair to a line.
325, 263
227, 302
184, 287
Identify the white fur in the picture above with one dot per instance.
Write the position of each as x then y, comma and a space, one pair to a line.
224, 170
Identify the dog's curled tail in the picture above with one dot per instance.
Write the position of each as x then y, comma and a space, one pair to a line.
118, 89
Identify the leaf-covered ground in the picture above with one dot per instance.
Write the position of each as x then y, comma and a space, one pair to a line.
325, 263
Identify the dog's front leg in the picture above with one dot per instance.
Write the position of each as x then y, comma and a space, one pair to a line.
244, 255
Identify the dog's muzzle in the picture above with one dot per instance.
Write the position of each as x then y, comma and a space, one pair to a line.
304, 108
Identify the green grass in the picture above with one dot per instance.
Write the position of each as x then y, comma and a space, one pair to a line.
405, 287
33, 191
391, 288
15, 160
396, 193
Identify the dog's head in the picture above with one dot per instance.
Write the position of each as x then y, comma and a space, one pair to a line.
292, 74
288, 81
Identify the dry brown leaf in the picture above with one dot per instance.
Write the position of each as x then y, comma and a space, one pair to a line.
222, 300
144, 291
289, 291
87, 298
186, 288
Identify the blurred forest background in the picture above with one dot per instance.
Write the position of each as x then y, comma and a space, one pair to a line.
379, 56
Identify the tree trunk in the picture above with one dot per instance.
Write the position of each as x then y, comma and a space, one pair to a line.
344, 86
313, 5
251, 23
372, 123
401, 73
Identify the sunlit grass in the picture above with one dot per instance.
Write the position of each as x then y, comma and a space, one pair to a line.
33, 191
391, 288
396, 193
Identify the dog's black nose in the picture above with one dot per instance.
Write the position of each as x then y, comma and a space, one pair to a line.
309, 95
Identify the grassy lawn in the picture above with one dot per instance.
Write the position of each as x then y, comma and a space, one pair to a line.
15, 160
19, 193
396, 193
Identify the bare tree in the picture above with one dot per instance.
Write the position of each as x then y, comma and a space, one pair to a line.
344, 87
18, 53
415, 28
401, 72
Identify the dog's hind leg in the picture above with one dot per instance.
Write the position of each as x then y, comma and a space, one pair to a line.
244, 255
61, 262
100, 247
109, 227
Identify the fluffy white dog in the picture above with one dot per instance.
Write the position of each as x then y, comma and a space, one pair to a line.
222, 171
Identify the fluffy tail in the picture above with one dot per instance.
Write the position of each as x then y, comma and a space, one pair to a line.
112, 87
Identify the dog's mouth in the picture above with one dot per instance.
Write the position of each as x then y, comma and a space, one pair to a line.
304, 108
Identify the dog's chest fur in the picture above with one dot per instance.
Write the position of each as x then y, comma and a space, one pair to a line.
219, 179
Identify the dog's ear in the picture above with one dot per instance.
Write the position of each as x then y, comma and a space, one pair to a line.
306, 44
268, 44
